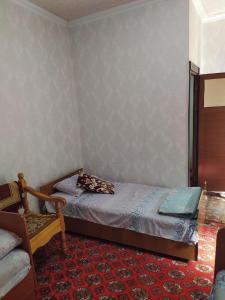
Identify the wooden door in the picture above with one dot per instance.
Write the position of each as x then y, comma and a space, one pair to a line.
211, 159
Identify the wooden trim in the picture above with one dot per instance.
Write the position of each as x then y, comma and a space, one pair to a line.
201, 133
212, 76
45, 235
194, 181
209, 117
124, 236
132, 238
24, 290
220, 257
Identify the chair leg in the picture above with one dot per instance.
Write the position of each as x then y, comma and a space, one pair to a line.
63, 236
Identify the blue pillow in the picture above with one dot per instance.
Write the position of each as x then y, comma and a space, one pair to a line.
181, 201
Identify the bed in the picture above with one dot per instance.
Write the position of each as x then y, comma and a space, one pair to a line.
129, 217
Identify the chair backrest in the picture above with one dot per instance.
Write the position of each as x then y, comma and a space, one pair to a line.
220, 253
10, 198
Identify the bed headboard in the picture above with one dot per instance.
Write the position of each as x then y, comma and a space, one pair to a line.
48, 188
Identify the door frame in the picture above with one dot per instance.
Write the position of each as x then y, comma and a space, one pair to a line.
193, 169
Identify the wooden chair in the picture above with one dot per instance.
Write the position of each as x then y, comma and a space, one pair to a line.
41, 228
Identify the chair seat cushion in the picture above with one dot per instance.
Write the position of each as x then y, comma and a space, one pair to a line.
37, 222
218, 292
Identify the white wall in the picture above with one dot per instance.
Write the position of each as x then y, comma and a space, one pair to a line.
213, 48
195, 35
39, 130
131, 73
131, 76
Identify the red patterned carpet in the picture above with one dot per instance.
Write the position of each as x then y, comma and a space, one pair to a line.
100, 270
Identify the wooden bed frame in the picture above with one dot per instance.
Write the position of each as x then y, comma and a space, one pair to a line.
125, 236
220, 257
25, 289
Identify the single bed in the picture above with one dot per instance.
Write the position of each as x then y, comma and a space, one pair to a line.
130, 217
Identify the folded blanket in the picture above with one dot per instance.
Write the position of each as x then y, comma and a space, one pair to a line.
182, 202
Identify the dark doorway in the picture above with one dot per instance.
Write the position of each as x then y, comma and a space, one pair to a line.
193, 124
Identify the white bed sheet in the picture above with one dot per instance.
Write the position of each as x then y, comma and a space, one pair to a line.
134, 207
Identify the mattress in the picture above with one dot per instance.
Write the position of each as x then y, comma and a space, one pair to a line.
14, 267
134, 207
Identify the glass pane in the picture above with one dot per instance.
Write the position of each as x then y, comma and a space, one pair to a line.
214, 92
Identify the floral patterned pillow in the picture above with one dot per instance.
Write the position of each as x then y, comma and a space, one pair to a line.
94, 184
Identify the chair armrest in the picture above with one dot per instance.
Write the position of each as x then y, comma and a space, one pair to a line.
43, 197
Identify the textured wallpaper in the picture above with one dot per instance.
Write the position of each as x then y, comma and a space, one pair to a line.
131, 73
39, 129
130, 79
213, 50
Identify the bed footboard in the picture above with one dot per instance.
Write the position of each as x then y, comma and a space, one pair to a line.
132, 238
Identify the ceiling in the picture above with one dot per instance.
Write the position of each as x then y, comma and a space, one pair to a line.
211, 8
70, 10
73, 9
